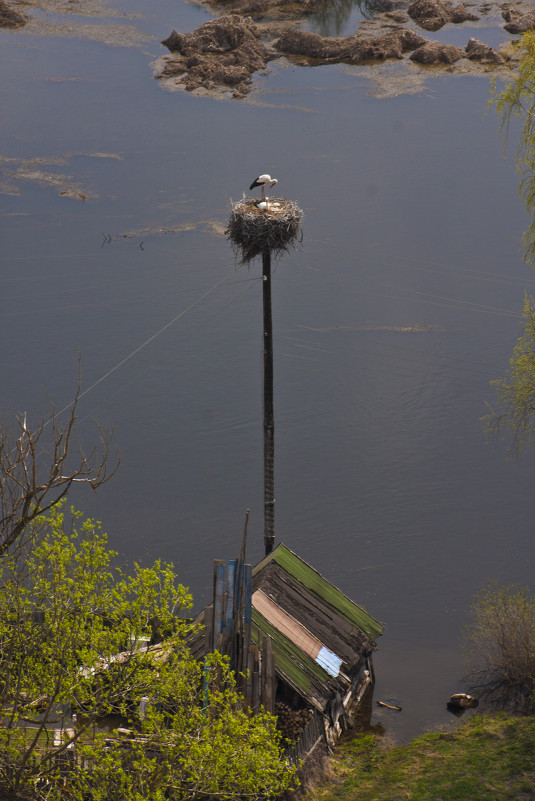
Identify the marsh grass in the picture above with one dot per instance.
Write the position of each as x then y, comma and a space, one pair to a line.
491, 758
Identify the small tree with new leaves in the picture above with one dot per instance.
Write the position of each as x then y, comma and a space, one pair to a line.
501, 644
515, 393
71, 625
516, 100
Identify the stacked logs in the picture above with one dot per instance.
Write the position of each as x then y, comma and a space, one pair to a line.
291, 722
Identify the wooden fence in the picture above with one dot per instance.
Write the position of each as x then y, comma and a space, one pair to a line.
312, 735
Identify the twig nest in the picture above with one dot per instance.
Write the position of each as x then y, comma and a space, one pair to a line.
256, 226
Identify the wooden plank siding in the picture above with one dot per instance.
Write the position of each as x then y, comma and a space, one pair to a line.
293, 613
326, 592
333, 631
311, 737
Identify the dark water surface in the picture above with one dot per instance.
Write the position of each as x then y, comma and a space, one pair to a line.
403, 302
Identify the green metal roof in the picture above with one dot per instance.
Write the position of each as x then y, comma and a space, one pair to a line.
323, 590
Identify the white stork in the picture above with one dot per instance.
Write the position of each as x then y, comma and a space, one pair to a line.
263, 181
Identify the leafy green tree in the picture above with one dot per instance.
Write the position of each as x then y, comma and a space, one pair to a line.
514, 410
515, 393
516, 100
501, 645
73, 657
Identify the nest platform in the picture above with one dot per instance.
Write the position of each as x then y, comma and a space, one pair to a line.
256, 226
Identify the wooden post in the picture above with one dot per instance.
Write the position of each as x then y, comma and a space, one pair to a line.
268, 675
255, 231
269, 418
219, 604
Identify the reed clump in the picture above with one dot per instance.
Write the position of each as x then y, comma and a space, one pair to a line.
255, 227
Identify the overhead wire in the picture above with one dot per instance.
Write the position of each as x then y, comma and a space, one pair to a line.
150, 339
417, 296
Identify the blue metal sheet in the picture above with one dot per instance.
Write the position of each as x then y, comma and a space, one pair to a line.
329, 661
218, 598
231, 578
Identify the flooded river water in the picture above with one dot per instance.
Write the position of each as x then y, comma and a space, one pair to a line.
401, 305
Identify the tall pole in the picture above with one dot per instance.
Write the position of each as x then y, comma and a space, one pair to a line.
258, 231
269, 418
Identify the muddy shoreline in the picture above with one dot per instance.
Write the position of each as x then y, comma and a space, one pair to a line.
223, 55
226, 53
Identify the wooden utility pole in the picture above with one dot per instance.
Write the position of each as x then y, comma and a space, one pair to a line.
269, 417
262, 228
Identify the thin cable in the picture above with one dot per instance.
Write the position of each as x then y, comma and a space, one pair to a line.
148, 341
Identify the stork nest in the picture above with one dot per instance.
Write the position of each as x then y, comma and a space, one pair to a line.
254, 228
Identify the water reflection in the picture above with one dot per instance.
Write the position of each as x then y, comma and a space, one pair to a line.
332, 16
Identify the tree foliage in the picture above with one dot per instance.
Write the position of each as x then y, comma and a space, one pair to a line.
501, 641
72, 660
515, 393
516, 100
515, 407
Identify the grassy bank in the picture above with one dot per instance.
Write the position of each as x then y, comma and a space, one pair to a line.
491, 757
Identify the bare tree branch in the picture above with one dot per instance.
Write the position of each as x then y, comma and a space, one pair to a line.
39, 466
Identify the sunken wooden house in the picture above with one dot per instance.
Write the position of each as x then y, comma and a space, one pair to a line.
300, 647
